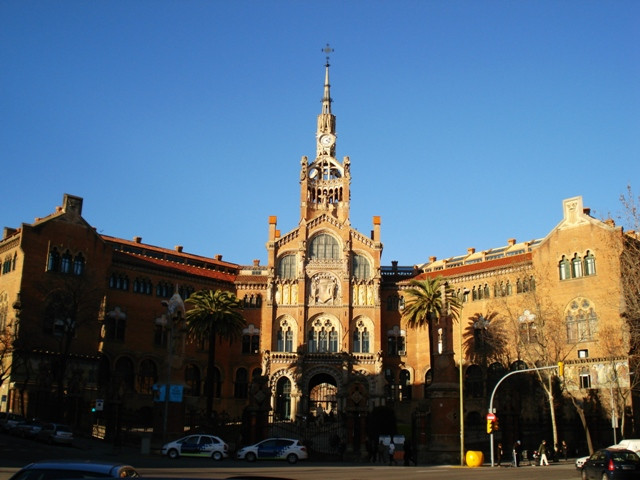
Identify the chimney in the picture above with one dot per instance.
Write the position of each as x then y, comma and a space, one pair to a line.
471, 250
586, 211
217, 257
178, 248
137, 239
256, 263
511, 242
394, 265
432, 259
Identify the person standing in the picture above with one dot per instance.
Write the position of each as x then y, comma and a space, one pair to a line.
542, 451
565, 449
516, 453
500, 453
392, 450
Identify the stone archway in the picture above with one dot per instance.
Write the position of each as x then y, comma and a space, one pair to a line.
323, 396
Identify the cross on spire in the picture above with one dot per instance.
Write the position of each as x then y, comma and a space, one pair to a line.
327, 50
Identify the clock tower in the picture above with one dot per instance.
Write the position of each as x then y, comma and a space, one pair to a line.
324, 182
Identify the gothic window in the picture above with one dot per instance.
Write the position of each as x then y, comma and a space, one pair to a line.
404, 384
390, 389
519, 365
53, 263
115, 324
428, 380
576, 266
519, 288
241, 385
396, 341
486, 291
361, 267
589, 264
509, 288
392, 303
527, 327
581, 321
147, 376
78, 264
564, 268
323, 336
164, 290
251, 339
119, 282
474, 294
185, 291
324, 247
287, 267
494, 373
283, 399
192, 380
65, 263
285, 338
361, 338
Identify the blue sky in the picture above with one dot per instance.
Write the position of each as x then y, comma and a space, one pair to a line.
183, 122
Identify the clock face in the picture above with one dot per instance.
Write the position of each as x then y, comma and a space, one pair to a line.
326, 140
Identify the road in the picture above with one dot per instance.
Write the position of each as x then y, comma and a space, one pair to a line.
15, 452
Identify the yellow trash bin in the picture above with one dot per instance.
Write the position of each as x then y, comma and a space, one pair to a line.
474, 458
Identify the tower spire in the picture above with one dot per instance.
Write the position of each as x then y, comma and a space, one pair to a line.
326, 98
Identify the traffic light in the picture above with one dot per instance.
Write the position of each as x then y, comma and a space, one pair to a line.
561, 369
489, 426
496, 427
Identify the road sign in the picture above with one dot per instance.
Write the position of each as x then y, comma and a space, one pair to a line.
99, 404
491, 417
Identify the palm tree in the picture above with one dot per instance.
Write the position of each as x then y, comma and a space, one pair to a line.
430, 300
486, 339
214, 315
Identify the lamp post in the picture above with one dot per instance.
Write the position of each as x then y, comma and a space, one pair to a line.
168, 321
462, 299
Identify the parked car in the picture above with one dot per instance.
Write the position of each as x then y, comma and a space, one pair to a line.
55, 433
69, 469
288, 449
632, 444
10, 420
27, 429
612, 464
199, 445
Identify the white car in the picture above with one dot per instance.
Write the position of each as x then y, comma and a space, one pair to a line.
197, 445
580, 462
288, 449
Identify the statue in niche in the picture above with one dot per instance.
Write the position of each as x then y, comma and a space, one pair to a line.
370, 295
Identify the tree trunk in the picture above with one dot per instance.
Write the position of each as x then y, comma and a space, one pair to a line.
583, 419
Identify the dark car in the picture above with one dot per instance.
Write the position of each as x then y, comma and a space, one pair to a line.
612, 464
28, 429
69, 469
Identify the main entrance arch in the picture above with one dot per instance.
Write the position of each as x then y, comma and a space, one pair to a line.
323, 395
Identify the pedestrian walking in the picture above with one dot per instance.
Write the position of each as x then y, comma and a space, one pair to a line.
565, 450
542, 451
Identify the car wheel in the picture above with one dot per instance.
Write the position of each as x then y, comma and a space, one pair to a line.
251, 457
292, 458
217, 456
173, 454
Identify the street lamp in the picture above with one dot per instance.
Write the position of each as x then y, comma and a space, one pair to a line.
168, 321
462, 299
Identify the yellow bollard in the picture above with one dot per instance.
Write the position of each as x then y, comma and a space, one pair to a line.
474, 458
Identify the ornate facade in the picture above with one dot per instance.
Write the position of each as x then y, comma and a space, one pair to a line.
324, 319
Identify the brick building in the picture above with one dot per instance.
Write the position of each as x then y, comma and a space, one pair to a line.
325, 331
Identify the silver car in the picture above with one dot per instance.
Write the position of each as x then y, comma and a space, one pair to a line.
55, 433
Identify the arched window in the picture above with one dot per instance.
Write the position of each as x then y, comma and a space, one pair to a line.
65, 263
405, 385
487, 292
287, 267
115, 324
124, 374
323, 336
428, 380
324, 247
284, 336
518, 365
241, 386
192, 380
576, 266
361, 268
78, 264
283, 398
589, 264
581, 320
147, 376
53, 263
509, 288
473, 381
251, 339
396, 341
361, 338
564, 269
